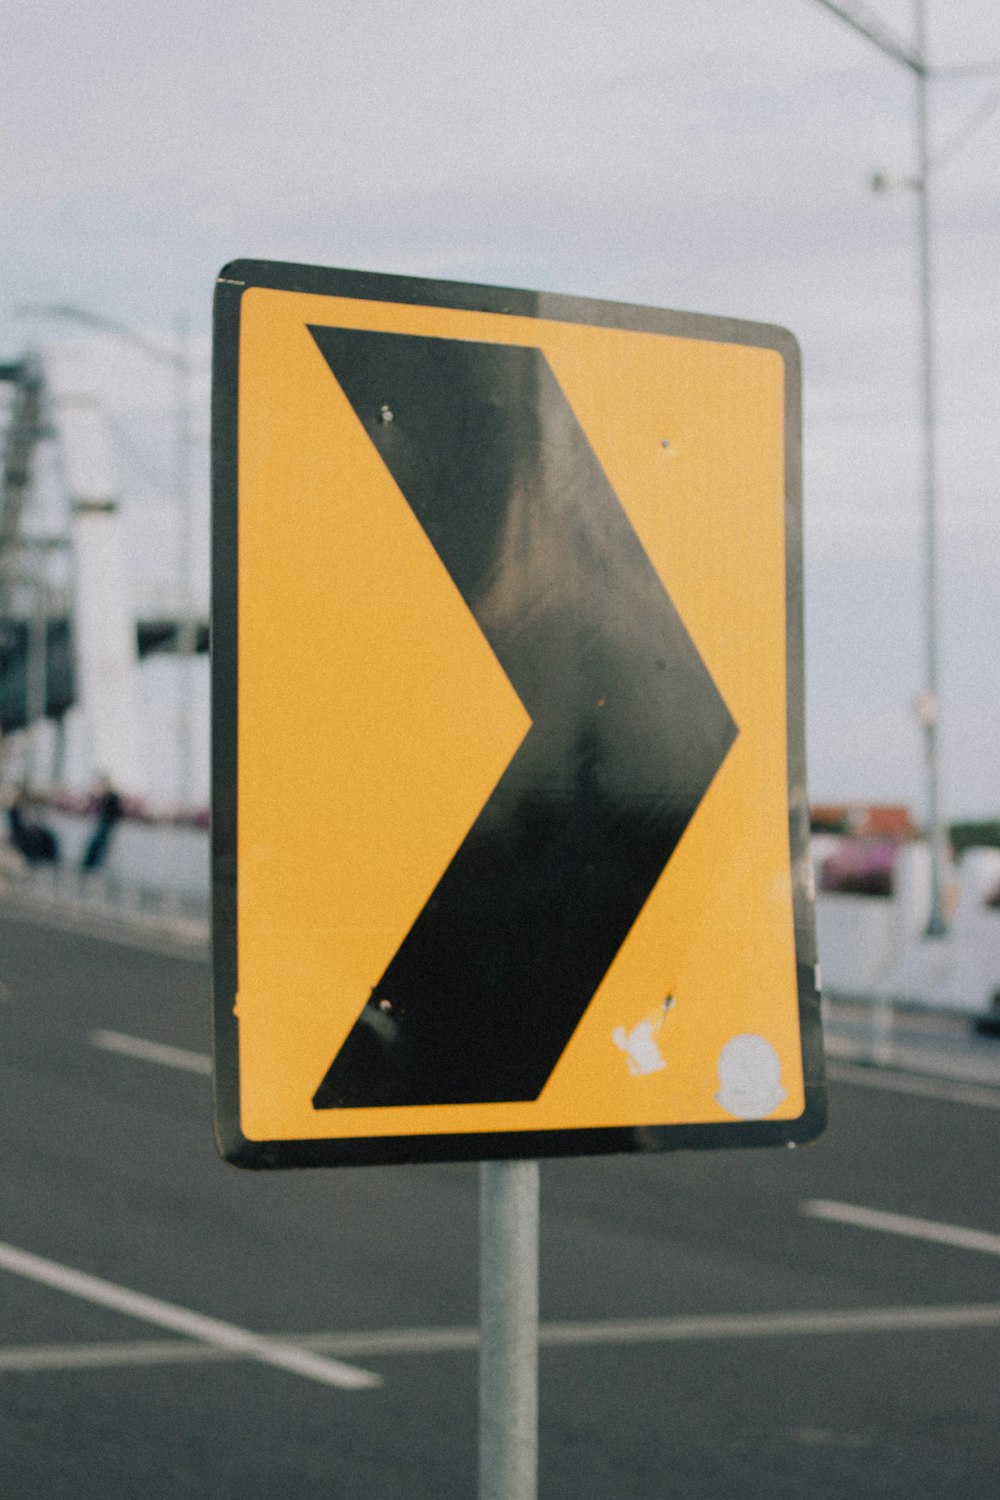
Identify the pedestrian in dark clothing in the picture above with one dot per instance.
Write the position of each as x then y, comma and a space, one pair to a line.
109, 810
34, 841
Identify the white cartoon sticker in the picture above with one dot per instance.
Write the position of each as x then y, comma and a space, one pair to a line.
640, 1046
750, 1077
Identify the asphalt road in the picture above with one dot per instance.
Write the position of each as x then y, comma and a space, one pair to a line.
705, 1332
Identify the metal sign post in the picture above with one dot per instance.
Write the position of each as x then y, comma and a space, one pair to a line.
508, 1360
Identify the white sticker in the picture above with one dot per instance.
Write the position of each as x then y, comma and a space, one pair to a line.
750, 1077
640, 1046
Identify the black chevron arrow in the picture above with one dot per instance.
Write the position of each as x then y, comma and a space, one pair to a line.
628, 728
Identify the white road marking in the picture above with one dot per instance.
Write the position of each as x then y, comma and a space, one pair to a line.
837, 1072
825, 1437
32, 1358
918, 1059
213, 1331
920, 1084
465, 1339
778, 1325
674, 1330
917, 1229
154, 1052
186, 940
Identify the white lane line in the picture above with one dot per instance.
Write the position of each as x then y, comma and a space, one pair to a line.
184, 940
227, 1336
776, 1325
838, 1072
121, 1353
920, 1060
919, 1084
673, 1330
154, 1052
465, 1340
917, 1229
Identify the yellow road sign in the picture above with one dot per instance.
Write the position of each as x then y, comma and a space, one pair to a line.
510, 826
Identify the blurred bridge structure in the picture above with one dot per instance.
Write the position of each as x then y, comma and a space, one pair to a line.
104, 571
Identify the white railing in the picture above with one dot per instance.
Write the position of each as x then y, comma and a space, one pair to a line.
874, 947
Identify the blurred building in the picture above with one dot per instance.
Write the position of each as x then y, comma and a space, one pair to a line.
104, 572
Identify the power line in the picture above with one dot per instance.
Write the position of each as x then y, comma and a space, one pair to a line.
863, 19
984, 111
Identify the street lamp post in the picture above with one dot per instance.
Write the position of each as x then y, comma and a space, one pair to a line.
936, 924
178, 360
187, 630
914, 59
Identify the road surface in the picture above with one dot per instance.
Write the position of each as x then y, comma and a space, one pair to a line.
819, 1322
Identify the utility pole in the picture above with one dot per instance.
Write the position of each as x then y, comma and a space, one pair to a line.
187, 643
915, 60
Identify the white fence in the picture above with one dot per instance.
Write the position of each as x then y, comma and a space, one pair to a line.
874, 947
148, 856
870, 947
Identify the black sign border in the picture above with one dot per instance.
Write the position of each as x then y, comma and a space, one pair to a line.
232, 282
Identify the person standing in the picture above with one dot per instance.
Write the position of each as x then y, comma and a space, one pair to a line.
109, 810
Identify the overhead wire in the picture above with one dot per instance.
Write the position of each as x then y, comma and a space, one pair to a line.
983, 112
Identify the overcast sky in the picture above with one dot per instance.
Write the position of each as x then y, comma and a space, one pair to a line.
703, 155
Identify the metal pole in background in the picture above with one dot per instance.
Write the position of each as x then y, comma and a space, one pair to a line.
37, 675
186, 637
914, 58
508, 1359
936, 924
